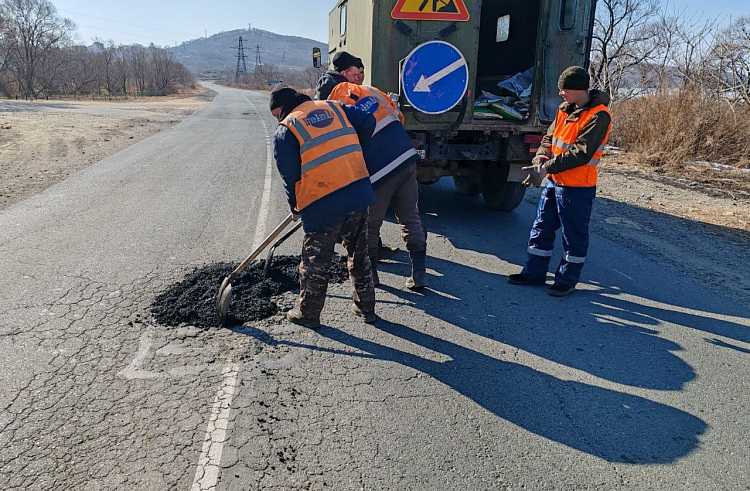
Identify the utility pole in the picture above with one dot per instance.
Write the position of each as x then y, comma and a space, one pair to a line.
241, 65
258, 61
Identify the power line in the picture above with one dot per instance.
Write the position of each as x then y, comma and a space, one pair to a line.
127, 33
128, 23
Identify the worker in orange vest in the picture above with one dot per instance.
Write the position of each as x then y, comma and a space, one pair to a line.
568, 156
318, 151
392, 162
348, 69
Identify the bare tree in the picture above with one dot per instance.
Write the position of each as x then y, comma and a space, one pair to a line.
622, 41
730, 61
265, 72
306, 78
32, 30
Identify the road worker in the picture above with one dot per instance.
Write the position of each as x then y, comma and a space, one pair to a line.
392, 162
568, 156
346, 68
318, 151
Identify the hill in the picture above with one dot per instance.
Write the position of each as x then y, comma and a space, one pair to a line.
215, 53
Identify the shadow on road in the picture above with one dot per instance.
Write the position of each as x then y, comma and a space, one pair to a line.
614, 330
627, 315
611, 425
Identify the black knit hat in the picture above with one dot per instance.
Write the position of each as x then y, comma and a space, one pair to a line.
574, 78
286, 98
280, 95
343, 60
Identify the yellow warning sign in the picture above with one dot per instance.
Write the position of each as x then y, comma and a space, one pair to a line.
452, 10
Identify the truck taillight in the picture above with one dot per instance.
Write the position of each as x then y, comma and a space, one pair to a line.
533, 141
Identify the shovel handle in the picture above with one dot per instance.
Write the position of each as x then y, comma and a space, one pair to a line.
276, 244
271, 237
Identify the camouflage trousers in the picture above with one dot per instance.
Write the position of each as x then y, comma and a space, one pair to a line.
317, 255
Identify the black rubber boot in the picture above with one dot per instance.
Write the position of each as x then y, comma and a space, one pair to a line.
373, 263
522, 279
418, 277
560, 290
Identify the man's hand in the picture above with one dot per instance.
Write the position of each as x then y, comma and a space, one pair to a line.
537, 172
537, 164
296, 216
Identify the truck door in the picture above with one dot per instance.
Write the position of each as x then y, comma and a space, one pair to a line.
568, 42
337, 27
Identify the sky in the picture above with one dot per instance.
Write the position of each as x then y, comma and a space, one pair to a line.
170, 22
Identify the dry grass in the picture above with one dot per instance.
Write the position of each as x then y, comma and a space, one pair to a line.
677, 135
670, 130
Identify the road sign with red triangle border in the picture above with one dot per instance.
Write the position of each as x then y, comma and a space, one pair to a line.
447, 10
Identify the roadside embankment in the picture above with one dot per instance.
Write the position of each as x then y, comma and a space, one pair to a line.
44, 142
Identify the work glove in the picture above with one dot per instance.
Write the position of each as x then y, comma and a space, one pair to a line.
537, 171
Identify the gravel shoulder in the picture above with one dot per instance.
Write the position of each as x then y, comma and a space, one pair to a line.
44, 142
702, 236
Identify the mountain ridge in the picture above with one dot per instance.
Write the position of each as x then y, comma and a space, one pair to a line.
218, 53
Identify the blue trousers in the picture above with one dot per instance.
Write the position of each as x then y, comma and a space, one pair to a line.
568, 209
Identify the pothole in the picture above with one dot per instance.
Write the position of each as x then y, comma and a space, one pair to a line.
192, 300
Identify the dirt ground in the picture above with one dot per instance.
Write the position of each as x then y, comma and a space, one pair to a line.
713, 194
44, 142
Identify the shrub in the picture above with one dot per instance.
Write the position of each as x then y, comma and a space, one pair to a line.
671, 130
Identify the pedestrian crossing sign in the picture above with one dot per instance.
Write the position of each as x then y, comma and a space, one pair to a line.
450, 10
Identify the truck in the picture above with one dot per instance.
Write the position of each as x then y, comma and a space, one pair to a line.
514, 51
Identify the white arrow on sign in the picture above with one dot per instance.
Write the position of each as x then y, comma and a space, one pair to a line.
423, 85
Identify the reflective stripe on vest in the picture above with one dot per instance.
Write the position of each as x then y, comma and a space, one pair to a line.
385, 114
368, 98
564, 138
329, 150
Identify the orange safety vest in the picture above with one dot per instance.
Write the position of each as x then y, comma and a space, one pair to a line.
565, 135
329, 148
373, 100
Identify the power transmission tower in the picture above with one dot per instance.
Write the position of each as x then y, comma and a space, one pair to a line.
258, 61
241, 65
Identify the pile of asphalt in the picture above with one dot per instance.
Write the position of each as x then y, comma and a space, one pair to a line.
193, 300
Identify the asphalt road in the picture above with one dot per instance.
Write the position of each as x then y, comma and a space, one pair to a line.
637, 381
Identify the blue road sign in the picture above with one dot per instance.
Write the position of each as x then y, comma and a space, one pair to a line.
435, 77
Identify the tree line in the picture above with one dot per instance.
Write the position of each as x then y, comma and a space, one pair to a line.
646, 47
39, 58
680, 84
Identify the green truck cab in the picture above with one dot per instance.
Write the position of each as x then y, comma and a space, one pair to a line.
485, 139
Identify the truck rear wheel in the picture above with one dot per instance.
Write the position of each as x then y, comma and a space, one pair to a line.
504, 197
469, 186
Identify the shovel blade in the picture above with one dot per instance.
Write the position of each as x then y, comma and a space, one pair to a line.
225, 298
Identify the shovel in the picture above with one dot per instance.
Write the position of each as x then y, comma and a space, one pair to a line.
225, 291
269, 257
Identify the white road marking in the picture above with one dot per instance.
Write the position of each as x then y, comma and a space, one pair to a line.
260, 230
626, 276
133, 371
207, 474
208, 471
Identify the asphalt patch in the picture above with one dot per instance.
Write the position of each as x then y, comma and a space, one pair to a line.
193, 300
